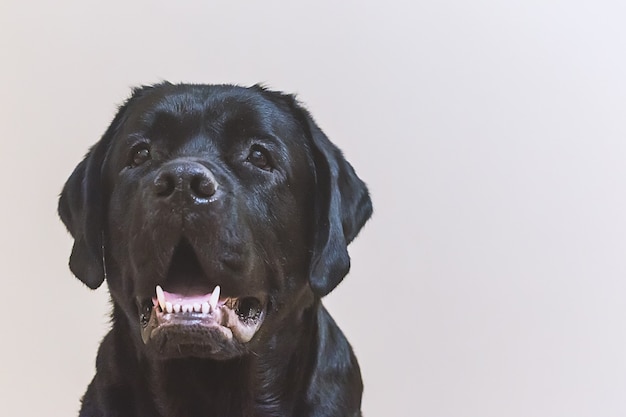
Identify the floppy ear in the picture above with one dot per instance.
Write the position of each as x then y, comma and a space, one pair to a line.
342, 206
81, 210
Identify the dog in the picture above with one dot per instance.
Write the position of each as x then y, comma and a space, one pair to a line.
219, 217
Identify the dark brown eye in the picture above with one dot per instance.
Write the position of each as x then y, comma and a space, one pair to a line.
139, 155
258, 157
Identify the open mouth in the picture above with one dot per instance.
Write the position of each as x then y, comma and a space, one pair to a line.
187, 310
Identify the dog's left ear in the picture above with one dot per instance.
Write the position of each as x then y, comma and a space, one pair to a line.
342, 206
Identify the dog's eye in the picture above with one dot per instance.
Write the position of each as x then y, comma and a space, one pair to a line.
259, 158
139, 155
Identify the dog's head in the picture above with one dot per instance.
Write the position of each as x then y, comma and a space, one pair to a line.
217, 214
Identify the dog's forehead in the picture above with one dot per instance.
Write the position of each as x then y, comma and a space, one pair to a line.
220, 110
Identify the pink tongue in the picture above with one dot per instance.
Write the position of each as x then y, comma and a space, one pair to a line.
186, 299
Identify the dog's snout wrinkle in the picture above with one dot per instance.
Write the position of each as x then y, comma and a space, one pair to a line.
191, 179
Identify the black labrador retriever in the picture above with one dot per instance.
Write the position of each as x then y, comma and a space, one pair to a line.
219, 217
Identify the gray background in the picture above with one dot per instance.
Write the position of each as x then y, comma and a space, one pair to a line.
490, 281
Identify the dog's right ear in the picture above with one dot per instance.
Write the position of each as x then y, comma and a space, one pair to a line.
80, 209
82, 204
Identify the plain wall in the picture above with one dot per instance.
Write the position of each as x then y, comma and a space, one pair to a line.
491, 279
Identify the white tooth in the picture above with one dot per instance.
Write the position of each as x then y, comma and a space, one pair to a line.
197, 308
160, 297
215, 297
176, 308
206, 308
186, 308
168, 307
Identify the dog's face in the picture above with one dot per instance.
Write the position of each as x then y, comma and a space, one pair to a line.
218, 214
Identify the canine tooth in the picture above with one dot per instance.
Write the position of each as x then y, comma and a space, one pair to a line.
160, 297
176, 308
168, 307
215, 297
197, 308
206, 308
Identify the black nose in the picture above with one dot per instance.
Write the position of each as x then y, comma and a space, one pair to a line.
191, 179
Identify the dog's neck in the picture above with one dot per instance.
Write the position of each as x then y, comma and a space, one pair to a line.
268, 383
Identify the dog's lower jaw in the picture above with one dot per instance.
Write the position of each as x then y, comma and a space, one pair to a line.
284, 380
221, 333
252, 385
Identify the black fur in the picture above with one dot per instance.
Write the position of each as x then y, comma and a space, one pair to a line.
276, 231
